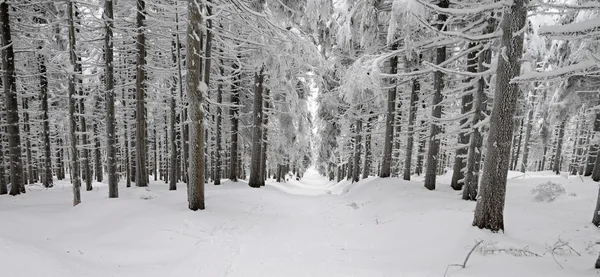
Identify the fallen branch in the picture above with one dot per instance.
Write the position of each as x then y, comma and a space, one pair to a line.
464, 264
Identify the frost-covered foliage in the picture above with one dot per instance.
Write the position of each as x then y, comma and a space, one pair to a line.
547, 192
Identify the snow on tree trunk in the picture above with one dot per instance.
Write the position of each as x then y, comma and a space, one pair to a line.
75, 179
195, 89
489, 212
257, 114
386, 162
596, 217
141, 178
47, 180
458, 173
436, 109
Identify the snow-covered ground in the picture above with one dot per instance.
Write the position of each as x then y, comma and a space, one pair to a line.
312, 227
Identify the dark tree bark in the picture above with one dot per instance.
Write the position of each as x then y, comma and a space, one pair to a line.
367, 164
218, 147
3, 187
206, 79
386, 162
173, 138
436, 110
97, 154
47, 180
87, 174
357, 150
559, 143
255, 166
72, 103
28, 175
476, 139
194, 67
596, 166
517, 152
111, 152
126, 142
263, 159
60, 172
489, 212
412, 115
460, 161
234, 116
141, 178
12, 109
528, 128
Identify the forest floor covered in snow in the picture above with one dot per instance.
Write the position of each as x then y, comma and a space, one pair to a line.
312, 227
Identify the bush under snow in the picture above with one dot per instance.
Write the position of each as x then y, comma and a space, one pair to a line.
547, 192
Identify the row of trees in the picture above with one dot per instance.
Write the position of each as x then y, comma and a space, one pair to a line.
187, 91
422, 87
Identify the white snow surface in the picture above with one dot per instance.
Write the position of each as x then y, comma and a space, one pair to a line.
312, 227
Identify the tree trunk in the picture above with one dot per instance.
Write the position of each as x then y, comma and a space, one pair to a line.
367, 164
476, 139
386, 162
558, 156
357, 150
87, 175
141, 174
72, 103
517, 153
458, 174
255, 166
12, 108
436, 110
234, 116
206, 78
489, 212
47, 180
596, 216
412, 115
265, 123
173, 139
3, 186
596, 167
218, 129
28, 176
141, 178
528, 128
60, 173
126, 142
421, 149
194, 67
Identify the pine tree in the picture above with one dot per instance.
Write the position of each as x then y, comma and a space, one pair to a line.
111, 152
195, 88
489, 212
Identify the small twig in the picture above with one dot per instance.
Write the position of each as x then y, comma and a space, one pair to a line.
464, 264
553, 257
